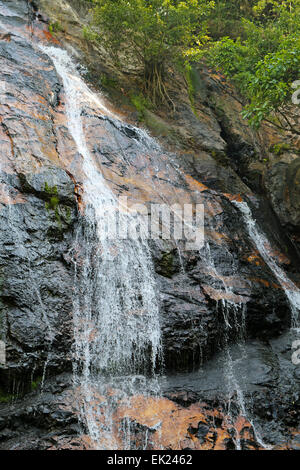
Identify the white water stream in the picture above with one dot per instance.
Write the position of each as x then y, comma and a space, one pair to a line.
116, 314
292, 292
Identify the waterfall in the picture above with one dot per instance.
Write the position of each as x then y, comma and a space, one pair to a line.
291, 290
260, 240
116, 312
234, 315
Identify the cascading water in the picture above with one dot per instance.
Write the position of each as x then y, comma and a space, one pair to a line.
117, 344
292, 292
234, 315
116, 314
261, 242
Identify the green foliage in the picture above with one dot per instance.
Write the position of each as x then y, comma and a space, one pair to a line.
225, 19
55, 27
189, 76
36, 383
280, 148
52, 190
141, 103
5, 397
108, 82
271, 86
53, 202
153, 33
265, 61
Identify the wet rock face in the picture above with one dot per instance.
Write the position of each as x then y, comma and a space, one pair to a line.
40, 201
36, 274
267, 378
41, 420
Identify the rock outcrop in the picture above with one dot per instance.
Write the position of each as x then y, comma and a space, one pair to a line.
208, 156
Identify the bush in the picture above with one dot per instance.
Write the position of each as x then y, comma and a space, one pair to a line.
265, 63
154, 32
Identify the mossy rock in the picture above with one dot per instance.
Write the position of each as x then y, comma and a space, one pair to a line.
167, 266
157, 125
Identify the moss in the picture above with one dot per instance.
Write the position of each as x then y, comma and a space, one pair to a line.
35, 383
107, 82
141, 104
51, 190
5, 397
68, 215
157, 126
55, 27
192, 81
166, 264
280, 148
189, 76
52, 204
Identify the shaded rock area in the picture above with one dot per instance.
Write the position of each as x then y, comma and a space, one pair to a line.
265, 375
207, 156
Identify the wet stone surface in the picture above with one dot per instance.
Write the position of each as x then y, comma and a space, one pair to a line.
200, 293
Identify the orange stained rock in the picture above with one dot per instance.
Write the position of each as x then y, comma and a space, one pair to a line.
227, 280
29, 112
220, 295
255, 258
218, 237
176, 424
261, 281
213, 208
5, 37
281, 257
42, 100
172, 420
267, 283
222, 436
7, 198
173, 426
241, 424
50, 38
195, 185
296, 445
233, 197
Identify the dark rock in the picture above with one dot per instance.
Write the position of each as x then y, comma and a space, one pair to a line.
224, 318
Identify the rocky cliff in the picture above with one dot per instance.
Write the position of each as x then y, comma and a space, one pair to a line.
222, 307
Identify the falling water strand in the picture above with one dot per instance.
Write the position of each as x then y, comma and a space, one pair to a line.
116, 313
292, 292
234, 315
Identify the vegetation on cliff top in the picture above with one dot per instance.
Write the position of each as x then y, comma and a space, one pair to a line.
255, 43
154, 33
264, 60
